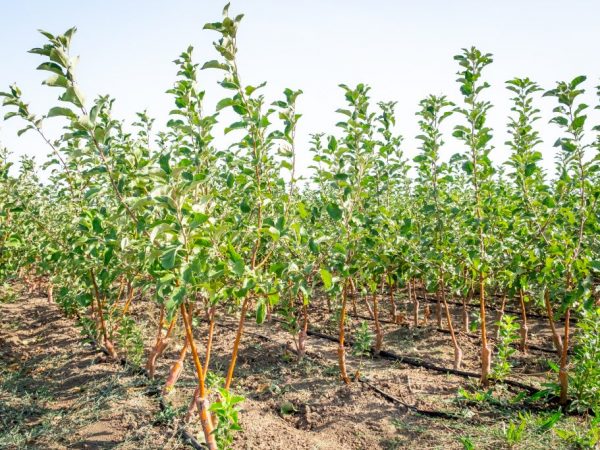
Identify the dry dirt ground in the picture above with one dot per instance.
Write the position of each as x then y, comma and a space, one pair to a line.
56, 392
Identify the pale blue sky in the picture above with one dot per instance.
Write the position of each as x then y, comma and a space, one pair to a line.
403, 49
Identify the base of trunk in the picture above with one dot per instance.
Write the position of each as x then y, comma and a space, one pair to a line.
342, 363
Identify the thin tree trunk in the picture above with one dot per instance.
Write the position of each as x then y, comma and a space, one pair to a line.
393, 308
303, 331
415, 304
341, 348
486, 352
378, 330
236, 344
369, 307
563, 374
458, 354
353, 296
426, 310
110, 348
556, 339
211, 332
151, 362
500, 316
160, 345
524, 327
211, 327
269, 311
176, 368
202, 403
130, 292
438, 310
465, 310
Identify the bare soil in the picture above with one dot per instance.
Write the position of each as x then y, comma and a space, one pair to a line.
56, 392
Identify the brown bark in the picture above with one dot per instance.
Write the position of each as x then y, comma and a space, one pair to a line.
341, 348
563, 374
486, 352
369, 307
303, 331
524, 327
130, 292
160, 344
211, 327
110, 348
202, 403
378, 330
500, 316
438, 310
151, 362
415, 304
458, 354
209, 341
176, 368
556, 339
269, 311
393, 308
353, 296
236, 344
465, 311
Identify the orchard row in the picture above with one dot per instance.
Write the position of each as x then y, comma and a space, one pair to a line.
131, 215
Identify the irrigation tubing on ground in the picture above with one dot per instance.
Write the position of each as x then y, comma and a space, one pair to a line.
424, 364
441, 330
425, 412
419, 363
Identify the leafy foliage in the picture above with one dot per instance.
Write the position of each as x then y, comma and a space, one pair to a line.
132, 213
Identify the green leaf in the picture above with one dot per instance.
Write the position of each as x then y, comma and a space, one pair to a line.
57, 81
578, 122
108, 254
175, 299
530, 169
245, 207
214, 64
91, 192
97, 225
58, 111
51, 67
274, 233
334, 211
24, 130
238, 267
327, 278
73, 95
163, 161
577, 81
224, 103
287, 408
468, 167
236, 262
167, 259
261, 312
235, 126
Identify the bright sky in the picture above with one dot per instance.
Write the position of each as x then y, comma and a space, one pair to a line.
403, 49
